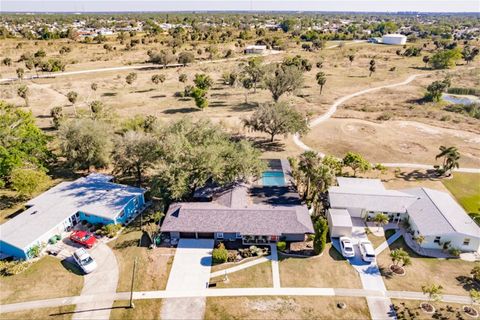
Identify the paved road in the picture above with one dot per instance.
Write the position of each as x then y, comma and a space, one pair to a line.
190, 272
102, 282
333, 108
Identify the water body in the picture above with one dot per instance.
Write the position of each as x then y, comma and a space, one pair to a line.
458, 99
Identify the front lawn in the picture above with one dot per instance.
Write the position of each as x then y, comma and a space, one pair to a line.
452, 274
466, 188
285, 308
329, 270
144, 309
153, 265
45, 279
257, 276
56, 313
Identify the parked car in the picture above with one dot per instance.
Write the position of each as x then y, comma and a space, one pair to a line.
84, 260
367, 251
346, 245
84, 238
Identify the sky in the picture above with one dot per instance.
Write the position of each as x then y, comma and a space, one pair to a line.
240, 5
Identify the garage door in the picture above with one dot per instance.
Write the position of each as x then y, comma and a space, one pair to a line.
189, 235
205, 235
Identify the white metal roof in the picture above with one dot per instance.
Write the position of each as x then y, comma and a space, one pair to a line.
340, 218
373, 184
94, 195
438, 213
372, 199
394, 35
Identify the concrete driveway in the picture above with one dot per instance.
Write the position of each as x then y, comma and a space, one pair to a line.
190, 271
103, 281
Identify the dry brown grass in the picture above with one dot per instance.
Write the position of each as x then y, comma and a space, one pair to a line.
228, 265
45, 279
330, 270
452, 274
257, 276
56, 313
392, 141
153, 266
144, 309
286, 308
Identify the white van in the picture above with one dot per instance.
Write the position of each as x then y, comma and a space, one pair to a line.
84, 260
367, 251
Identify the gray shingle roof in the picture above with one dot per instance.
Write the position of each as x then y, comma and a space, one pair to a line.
257, 221
437, 213
93, 195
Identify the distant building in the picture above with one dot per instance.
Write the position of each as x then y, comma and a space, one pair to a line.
254, 49
395, 39
94, 199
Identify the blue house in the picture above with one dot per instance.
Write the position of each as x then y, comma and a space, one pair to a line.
94, 198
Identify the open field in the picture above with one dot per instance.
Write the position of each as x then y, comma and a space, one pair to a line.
47, 278
328, 270
144, 309
452, 274
445, 310
257, 276
286, 308
393, 141
56, 313
466, 188
153, 265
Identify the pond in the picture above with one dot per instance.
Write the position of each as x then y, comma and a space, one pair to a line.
457, 99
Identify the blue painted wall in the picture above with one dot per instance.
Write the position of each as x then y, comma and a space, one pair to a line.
13, 251
94, 219
129, 210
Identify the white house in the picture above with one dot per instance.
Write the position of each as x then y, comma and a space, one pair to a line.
254, 49
395, 39
432, 214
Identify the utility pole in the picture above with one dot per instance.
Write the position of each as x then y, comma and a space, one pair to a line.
132, 305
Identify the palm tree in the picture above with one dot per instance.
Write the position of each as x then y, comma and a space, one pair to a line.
434, 291
380, 219
321, 80
450, 158
308, 160
321, 179
400, 256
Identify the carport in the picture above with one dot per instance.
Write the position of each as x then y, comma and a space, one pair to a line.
340, 223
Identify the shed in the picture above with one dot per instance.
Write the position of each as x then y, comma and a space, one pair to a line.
339, 222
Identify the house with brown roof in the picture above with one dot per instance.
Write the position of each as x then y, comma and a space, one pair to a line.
263, 212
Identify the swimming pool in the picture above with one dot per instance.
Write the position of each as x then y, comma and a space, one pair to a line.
273, 178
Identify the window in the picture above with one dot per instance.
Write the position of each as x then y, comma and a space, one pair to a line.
437, 240
466, 242
219, 235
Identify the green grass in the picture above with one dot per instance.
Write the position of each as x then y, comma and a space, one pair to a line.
466, 188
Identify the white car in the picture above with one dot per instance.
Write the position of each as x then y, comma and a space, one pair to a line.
346, 245
84, 260
367, 251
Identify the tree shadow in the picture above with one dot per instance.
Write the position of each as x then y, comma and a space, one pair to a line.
385, 272
158, 96
180, 110
267, 145
244, 107
8, 201
144, 91
109, 94
335, 255
218, 104
126, 244
416, 175
357, 76
468, 283
60, 170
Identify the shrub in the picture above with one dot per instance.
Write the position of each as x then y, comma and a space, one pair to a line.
10, 268
110, 230
220, 254
455, 252
464, 91
232, 256
385, 116
320, 240
281, 245
34, 251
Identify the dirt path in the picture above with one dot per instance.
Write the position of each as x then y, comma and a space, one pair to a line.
333, 108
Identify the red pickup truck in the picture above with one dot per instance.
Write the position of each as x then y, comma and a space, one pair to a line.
84, 238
